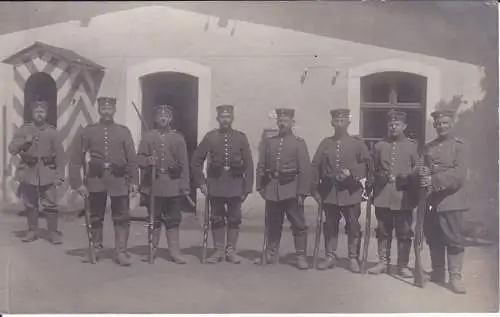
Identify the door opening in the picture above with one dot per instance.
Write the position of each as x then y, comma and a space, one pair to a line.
41, 86
181, 92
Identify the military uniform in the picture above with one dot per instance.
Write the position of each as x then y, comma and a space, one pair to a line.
446, 158
284, 174
396, 185
171, 182
111, 170
230, 176
41, 168
340, 197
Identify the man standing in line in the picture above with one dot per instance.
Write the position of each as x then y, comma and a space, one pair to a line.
338, 165
229, 180
395, 185
166, 149
284, 180
40, 171
445, 176
112, 171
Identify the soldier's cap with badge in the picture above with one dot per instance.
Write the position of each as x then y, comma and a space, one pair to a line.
285, 112
443, 113
39, 104
340, 113
222, 109
396, 115
164, 109
106, 101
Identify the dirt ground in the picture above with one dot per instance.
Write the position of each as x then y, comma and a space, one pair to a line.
42, 278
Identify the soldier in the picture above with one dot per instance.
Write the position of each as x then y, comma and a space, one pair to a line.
229, 180
283, 181
112, 170
445, 176
338, 165
40, 171
395, 186
166, 148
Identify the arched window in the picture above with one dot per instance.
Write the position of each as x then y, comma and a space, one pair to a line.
381, 92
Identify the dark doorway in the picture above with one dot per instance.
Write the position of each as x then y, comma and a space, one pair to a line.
181, 92
381, 92
41, 86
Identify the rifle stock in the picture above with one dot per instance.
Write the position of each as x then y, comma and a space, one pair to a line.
367, 237
266, 230
88, 224
206, 219
419, 278
317, 238
151, 209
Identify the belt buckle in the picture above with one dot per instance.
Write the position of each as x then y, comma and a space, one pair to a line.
107, 165
226, 168
162, 170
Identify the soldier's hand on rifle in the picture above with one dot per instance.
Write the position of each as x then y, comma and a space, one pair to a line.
425, 181
301, 199
83, 191
134, 190
59, 182
261, 193
244, 197
345, 172
203, 189
28, 139
424, 171
151, 160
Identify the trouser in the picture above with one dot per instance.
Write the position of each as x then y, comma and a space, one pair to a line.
225, 210
276, 215
443, 232
167, 211
119, 214
400, 221
40, 198
351, 215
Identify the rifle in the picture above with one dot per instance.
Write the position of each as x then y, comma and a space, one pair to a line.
317, 238
366, 241
266, 229
368, 220
151, 218
86, 213
206, 228
4, 153
419, 279
301, 210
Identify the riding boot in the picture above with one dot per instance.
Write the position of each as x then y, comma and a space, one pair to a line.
120, 243
32, 219
232, 239
173, 246
404, 246
52, 224
272, 252
382, 264
455, 270
300, 242
352, 245
126, 236
219, 237
330, 259
438, 254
